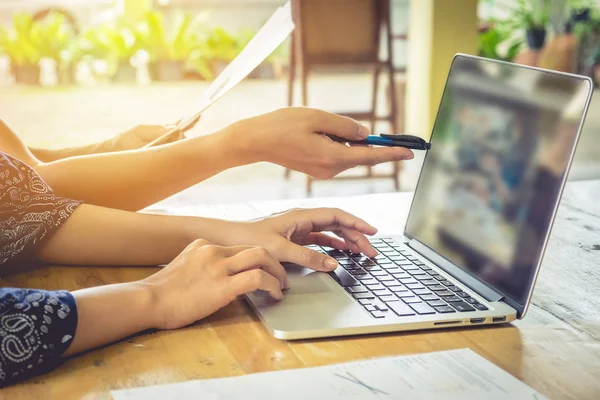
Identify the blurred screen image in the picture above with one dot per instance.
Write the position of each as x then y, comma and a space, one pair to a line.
490, 184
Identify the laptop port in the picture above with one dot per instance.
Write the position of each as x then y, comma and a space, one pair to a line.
499, 319
477, 320
446, 322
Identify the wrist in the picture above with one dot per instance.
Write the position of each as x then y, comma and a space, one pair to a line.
148, 305
227, 148
216, 231
240, 135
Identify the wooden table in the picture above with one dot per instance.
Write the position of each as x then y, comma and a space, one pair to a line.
555, 349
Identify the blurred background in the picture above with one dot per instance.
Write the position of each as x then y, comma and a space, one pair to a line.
75, 72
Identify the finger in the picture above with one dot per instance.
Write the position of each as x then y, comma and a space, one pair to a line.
362, 155
333, 124
327, 219
321, 239
308, 258
255, 279
328, 241
258, 258
357, 241
197, 244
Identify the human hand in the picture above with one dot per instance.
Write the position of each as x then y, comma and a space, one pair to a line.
284, 234
294, 138
147, 135
205, 278
142, 135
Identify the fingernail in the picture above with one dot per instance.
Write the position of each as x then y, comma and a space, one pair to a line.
363, 131
331, 263
410, 156
286, 284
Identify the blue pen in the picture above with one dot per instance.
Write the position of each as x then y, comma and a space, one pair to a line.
408, 141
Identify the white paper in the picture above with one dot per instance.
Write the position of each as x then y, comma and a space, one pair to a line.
390, 210
455, 374
264, 42
229, 212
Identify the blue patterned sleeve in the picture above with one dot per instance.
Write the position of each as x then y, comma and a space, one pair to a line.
36, 328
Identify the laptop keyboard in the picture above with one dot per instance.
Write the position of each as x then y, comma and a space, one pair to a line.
396, 282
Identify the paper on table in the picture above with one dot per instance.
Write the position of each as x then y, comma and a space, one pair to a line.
229, 212
387, 211
455, 374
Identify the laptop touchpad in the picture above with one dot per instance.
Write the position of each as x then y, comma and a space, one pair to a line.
304, 281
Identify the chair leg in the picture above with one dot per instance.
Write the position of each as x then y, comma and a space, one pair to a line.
396, 175
291, 73
309, 182
374, 98
291, 82
304, 93
374, 108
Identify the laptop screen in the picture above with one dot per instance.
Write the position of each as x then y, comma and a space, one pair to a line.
490, 184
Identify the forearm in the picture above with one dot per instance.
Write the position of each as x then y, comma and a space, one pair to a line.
101, 236
108, 313
135, 179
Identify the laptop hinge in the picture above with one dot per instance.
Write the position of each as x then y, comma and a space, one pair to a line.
479, 287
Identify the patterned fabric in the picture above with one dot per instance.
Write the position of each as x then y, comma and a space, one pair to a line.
29, 210
36, 328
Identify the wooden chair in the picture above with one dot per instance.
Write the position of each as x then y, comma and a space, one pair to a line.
344, 33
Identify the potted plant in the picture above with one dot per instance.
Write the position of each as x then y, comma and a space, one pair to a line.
533, 17
580, 10
116, 44
58, 44
23, 46
171, 50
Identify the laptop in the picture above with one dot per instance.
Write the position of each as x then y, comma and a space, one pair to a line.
480, 219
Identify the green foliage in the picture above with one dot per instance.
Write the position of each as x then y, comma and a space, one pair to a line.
57, 37
178, 44
583, 28
187, 40
221, 45
588, 34
117, 42
581, 4
29, 41
23, 44
494, 38
526, 14
183, 42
